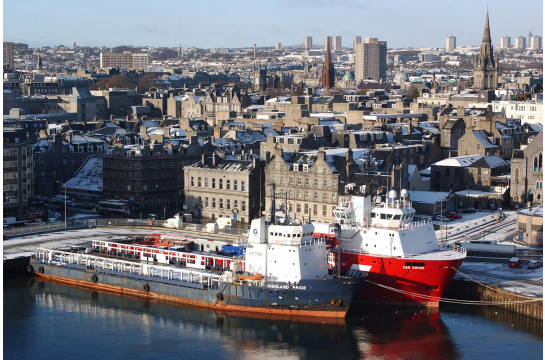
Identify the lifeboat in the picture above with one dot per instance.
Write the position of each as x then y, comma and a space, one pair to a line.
250, 277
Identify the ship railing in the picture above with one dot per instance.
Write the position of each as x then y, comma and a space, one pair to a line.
411, 225
89, 261
298, 243
456, 252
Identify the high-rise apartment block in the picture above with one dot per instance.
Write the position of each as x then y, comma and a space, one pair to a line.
371, 60
8, 53
278, 46
520, 42
535, 42
336, 43
308, 43
126, 60
451, 43
505, 42
357, 40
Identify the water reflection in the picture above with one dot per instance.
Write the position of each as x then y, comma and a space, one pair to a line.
43, 318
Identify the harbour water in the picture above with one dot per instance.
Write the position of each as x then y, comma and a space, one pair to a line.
43, 320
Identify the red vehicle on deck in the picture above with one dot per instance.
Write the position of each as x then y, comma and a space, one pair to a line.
514, 262
454, 216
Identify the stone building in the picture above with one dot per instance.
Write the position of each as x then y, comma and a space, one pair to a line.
530, 226
58, 159
148, 174
328, 70
18, 174
527, 174
217, 187
309, 182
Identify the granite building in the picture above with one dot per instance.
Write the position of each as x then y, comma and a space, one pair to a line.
216, 187
527, 174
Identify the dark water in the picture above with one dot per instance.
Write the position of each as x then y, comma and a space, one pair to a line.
50, 321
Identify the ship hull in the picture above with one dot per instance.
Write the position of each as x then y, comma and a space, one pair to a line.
329, 298
398, 281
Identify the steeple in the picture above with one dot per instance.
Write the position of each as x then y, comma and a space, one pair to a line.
328, 71
486, 35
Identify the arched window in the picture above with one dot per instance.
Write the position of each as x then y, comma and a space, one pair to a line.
531, 195
517, 175
535, 164
540, 161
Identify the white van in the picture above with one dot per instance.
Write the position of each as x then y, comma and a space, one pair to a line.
211, 228
175, 222
226, 221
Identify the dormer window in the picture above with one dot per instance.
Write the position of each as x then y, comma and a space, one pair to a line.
295, 167
305, 168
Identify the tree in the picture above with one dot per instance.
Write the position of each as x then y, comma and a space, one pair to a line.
149, 81
415, 93
120, 81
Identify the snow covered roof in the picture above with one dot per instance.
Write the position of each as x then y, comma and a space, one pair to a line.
459, 161
412, 169
429, 127
89, 176
482, 136
250, 136
427, 197
533, 211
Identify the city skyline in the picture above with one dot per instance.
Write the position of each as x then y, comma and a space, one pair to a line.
154, 26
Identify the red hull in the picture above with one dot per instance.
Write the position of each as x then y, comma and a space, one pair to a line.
430, 280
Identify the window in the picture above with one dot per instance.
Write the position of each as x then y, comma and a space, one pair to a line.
281, 179
316, 182
243, 204
274, 179
242, 186
334, 197
298, 207
206, 201
235, 185
228, 204
324, 170
325, 196
213, 203
299, 193
192, 184
221, 203
324, 210
236, 204
334, 184
325, 183
213, 183
306, 194
228, 184
316, 195
306, 182
205, 182
478, 146
291, 180
299, 181
221, 184
291, 193
315, 210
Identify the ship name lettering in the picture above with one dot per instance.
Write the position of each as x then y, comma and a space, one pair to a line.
297, 287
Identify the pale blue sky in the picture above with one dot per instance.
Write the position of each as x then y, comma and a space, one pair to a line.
241, 23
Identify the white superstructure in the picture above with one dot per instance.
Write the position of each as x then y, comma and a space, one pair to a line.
384, 228
286, 253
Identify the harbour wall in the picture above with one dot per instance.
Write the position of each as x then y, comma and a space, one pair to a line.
468, 290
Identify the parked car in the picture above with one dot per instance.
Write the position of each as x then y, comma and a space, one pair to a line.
191, 227
468, 210
441, 218
454, 216
534, 264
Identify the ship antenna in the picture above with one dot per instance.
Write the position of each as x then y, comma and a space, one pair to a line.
273, 204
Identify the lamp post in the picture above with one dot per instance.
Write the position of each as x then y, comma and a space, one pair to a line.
63, 184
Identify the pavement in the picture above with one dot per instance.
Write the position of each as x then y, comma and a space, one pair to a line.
524, 281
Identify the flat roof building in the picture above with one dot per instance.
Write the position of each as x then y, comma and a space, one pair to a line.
451, 43
125, 60
371, 60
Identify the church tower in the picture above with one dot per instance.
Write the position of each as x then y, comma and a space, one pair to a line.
328, 71
259, 78
485, 74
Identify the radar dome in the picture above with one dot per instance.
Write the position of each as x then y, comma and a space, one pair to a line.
392, 194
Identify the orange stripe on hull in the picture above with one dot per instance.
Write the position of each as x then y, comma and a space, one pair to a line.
218, 305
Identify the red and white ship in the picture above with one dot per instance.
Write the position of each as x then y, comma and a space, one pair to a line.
406, 264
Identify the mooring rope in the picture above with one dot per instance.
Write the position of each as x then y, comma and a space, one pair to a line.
454, 301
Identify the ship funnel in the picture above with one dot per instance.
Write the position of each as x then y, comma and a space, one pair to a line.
392, 194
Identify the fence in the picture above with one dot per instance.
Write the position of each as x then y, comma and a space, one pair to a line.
130, 223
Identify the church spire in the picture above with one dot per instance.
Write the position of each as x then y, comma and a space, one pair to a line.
328, 70
327, 59
486, 35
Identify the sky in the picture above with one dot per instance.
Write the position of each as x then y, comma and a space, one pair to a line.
241, 23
